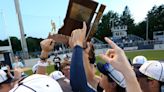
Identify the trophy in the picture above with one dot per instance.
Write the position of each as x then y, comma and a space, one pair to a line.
77, 12
53, 29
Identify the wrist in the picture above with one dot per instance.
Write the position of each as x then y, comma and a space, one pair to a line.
44, 55
41, 63
85, 54
78, 43
129, 74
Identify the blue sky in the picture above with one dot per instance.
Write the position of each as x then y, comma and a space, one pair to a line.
37, 14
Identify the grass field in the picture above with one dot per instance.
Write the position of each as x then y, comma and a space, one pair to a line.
149, 54
49, 70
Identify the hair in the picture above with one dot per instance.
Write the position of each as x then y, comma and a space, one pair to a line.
137, 72
92, 57
64, 64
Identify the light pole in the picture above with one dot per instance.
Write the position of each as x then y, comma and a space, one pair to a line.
23, 40
147, 28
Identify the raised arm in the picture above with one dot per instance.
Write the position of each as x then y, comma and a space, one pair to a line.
89, 71
46, 45
77, 74
117, 58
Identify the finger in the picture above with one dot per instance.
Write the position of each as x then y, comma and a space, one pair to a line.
105, 58
109, 51
84, 28
72, 33
70, 42
110, 42
88, 46
52, 43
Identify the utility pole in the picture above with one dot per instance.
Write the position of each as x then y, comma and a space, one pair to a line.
23, 40
147, 28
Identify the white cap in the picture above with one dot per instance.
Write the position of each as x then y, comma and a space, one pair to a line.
153, 69
64, 56
37, 83
3, 76
139, 60
4, 68
57, 75
34, 68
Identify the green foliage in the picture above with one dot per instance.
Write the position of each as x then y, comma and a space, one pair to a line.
140, 29
33, 44
4, 42
16, 44
104, 27
126, 19
156, 19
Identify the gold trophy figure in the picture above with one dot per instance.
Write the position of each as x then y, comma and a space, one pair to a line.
53, 29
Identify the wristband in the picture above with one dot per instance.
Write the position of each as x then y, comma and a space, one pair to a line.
42, 63
43, 59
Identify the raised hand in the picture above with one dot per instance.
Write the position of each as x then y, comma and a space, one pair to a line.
78, 36
116, 57
46, 45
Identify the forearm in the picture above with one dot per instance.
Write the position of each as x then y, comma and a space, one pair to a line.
41, 70
78, 79
77, 82
132, 84
42, 64
89, 71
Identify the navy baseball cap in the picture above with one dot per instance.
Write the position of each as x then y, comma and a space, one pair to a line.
111, 73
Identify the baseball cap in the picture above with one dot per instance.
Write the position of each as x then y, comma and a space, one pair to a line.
139, 60
4, 68
66, 57
4, 77
57, 75
34, 68
109, 71
153, 69
37, 83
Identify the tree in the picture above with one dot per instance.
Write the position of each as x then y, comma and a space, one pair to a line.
126, 19
104, 27
140, 30
156, 20
4, 42
16, 44
33, 44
